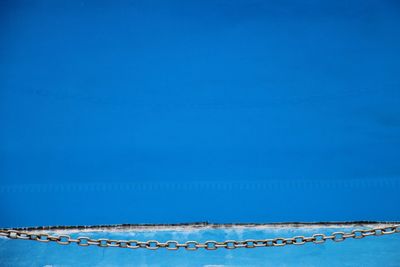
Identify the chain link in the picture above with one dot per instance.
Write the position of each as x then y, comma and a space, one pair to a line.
194, 245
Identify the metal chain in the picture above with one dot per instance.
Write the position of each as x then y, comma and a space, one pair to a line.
194, 245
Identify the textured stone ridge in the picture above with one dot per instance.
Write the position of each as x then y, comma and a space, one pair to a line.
207, 225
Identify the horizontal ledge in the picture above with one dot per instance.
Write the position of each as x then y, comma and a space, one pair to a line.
207, 225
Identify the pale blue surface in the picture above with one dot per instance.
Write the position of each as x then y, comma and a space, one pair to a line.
370, 251
299, 99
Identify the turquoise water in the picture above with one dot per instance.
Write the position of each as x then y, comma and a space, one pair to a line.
370, 251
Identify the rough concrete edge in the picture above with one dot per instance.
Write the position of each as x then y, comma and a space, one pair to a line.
205, 225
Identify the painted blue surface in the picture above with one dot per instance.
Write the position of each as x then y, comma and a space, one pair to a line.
370, 251
297, 102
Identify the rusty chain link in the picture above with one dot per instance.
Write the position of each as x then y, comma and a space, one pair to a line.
194, 245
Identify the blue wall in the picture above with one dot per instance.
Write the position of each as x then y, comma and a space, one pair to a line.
295, 103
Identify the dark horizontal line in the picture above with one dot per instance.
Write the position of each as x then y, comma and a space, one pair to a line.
209, 185
203, 225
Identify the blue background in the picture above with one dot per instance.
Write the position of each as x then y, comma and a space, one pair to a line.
223, 111
368, 252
